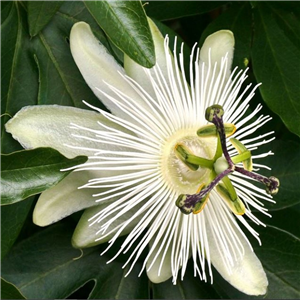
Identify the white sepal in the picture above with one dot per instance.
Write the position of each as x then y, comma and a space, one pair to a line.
98, 67
50, 126
64, 199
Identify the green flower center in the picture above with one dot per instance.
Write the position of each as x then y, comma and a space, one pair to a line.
220, 166
178, 173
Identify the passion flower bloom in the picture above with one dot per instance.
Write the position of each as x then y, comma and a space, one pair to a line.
161, 165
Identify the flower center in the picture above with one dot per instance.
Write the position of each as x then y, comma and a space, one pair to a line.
180, 177
223, 166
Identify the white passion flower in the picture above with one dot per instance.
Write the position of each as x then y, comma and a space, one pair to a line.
161, 165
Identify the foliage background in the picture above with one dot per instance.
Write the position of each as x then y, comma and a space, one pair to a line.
37, 68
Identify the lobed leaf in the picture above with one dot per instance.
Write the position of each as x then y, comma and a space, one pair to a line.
42, 269
40, 70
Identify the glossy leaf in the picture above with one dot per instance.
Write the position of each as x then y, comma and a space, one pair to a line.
13, 218
40, 13
276, 63
125, 23
9, 291
167, 10
29, 172
37, 266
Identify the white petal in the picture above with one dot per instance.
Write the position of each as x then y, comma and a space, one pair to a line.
218, 44
137, 72
248, 275
85, 236
64, 199
49, 126
166, 269
97, 65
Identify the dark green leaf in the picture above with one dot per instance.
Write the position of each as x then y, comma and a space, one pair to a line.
166, 10
19, 76
285, 166
288, 5
276, 62
40, 13
238, 19
29, 172
280, 256
60, 79
12, 221
46, 266
9, 291
5, 10
41, 70
125, 23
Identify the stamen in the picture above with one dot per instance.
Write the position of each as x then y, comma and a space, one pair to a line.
222, 166
187, 203
272, 183
214, 114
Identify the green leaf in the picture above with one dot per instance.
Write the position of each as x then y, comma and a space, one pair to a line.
276, 63
19, 78
45, 266
238, 19
41, 70
285, 164
125, 23
167, 10
280, 256
29, 172
40, 13
9, 291
287, 5
13, 218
